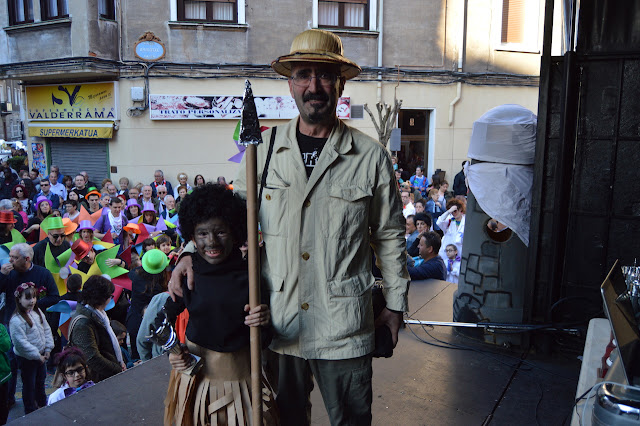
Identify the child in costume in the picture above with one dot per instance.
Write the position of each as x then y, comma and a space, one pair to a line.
72, 374
452, 263
214, 219
32, 344
121, 334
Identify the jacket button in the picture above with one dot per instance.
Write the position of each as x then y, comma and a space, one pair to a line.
305, 306
268, 197
305, 256
307, 203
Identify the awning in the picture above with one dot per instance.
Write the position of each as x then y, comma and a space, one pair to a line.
74, 129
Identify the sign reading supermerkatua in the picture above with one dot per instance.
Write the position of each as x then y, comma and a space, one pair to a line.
218, 107
73, 102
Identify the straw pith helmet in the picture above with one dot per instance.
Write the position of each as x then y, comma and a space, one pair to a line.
316, 46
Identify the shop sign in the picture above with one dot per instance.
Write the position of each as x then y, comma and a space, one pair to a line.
73, 102
71, 130
216, 107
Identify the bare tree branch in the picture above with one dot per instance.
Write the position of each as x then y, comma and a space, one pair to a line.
386, 121
366, 108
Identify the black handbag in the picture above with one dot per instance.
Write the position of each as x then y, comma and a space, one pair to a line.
383, 339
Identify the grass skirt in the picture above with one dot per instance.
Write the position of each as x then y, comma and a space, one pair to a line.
219, 394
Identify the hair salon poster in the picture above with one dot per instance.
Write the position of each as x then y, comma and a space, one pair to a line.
194, 107
39, 162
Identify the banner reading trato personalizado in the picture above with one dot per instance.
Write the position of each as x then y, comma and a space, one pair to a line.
217, 107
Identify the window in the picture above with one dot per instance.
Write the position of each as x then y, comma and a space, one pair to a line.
348, 14
224, 11
20, 11
520, 24
54, 9
107, 9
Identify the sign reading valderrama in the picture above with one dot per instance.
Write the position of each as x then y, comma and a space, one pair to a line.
73, 102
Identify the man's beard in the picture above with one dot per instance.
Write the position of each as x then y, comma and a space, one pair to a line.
318, 115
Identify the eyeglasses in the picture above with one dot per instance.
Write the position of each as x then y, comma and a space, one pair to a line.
71, 373
19, 190
304, 80
56, 236
44, 184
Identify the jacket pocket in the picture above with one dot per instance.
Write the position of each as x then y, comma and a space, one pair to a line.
274, 214
347, 210
277, 302
350, 308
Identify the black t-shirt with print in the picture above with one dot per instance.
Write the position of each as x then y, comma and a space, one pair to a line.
310, 148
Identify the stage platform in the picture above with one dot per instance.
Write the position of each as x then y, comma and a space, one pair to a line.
420, 385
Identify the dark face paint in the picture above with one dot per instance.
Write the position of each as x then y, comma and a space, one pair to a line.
214, 240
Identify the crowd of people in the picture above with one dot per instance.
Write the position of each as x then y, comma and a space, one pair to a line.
131, 256
434, 224
74, 221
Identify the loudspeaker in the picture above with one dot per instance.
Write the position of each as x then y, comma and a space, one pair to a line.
394, 141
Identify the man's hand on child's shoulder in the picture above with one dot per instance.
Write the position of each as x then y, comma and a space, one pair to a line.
184, 268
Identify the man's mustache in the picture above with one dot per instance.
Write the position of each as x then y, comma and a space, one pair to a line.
315, 97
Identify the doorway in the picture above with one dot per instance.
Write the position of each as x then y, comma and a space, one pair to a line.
415, 126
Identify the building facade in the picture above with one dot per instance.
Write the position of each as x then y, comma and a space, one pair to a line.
121, 88
10, 100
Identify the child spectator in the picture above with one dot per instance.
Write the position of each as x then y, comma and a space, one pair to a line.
147, 349
74, 288
419, 181
148, 244
146, 282
32, 344
121, 334
452, 263
164, 244
72, 374
5, 374
135, 261
433, 206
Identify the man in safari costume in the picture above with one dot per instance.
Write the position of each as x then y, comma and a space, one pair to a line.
330, 196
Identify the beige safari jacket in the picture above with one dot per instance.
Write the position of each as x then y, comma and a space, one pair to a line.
317, 259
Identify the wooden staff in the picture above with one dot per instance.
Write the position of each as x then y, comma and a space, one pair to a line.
250, 136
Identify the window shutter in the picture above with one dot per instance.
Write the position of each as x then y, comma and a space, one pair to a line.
66, 152
513, 15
